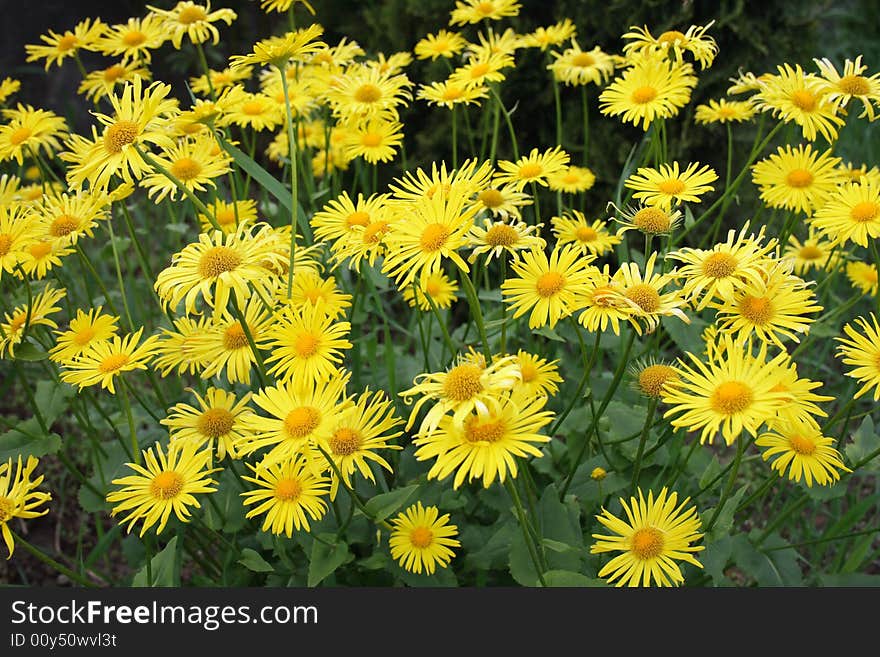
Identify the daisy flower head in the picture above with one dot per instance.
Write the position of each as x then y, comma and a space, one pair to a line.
132, 41
644, 294
101, 83
481, 69
793, 95
8, 88
442, 44
437, 288
449, 94
668, 185
309, 288
802, 404
19, 497
468, 179
495, 238
649, 377
229, 215
853, 173
40, 256
363, 92
289, 493
59, 47
545, 287
863, 275
852, 84
601, 303
747, 82
851, 213
800, 179
650, 88
575, 67
474, 11
861, 349
647, 219
571, 180
28, 131
376, 140
279, 50
340, 218
674, 44
535, 167
85, 329
220, 80
724, 111
17, 230
552, 35
16, 324
502, 201
494, 43
422, 539
814, 252
539, 377
592, 238
194, 21
801, 448
219, 418
177, 346
256, 111
169, 481
195, 163
282, 6
103, 361
486, 443
657, 533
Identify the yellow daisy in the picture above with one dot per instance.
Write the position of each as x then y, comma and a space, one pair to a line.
591, 238
724, 111
863, 275
496, 238
540, 377
576, 67
861, 348
552, 35
804, 451
17, 231
443, 44
219, 417
535, 167
482, 69
422, 539
376, 140
229, 216
365, 92
797, 178
643, 292
195, 163
649, 377
601, 303
468, 179
669, 186
571, 180
133, 40
278, 50
813, 253
19, 497
68, 217
647, 219
502, 201
84, 330
674, 44
256, 111
29, 131
59, 47
852, 84
176, 348
193, 21
851, 213
15, 325
474, 11
103, 82
103, 361
8, 88
437, 286
448, 94
311, 289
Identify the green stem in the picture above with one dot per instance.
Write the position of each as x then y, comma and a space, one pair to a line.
507, 120
637, 467
129, 416
49, 561
294, 182
876, 255
520, 512
454, 138
258, 357
207, 71
734, 471
576, 397
476, 313
119, 274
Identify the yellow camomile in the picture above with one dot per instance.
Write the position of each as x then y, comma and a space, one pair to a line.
194, 21
853, 173
644, 294
40, 256
16, 324
601, 303
724, 111
532, 168
497, 238
592, 238
279, 50
442, 44
311, 289
340, 218
481, 69
647, 219
220, 80
177, 347
17, 231
59, 47
801, 448
649, 377
220, 418
103, 361
474, 11
68, 217
364, 92
103, 82
502, 201
668, 185
814, 252
84, 330
437, 288
673, 43
390, 64
861, 349
132, 41
468, 179
8, 88
576, 67
422, 539
800, 179
449, 94
863, 275
852, 84
194, 163
571, 180
19, 497
552, 35
802, 403
256, 111
282, 6
375, 140
229, 215
539, 377
851, 214
30, 131
491, 42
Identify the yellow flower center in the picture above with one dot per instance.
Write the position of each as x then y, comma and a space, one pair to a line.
583, 60
530, 170
374, 232
854, 85
301, 421
731, 397
421, 537
644, 296
40, 249
452, 93
221, 79
802, 444
191, 14
654, 377
17, 322
758, 310
357, 218
113, 73
134, 38
651, 220
805, 100
234, 337
671, 36
570, 178
864, 211
486, 432
462, 382
112, 363
185, 169
647, 543
501, 235
63, 226
799, 178
288, 490
218, 260
6, 509
252, 107
434, 237
479, 70
643, 95
585, 234
225, 217
371, 139
20, 135
306, 345
726, 112
810, 252
367, 93
345, 441
528, 371
672, 187
719, 265
491, 198
82, 337
432, 288
215, 422
166, 485
5, 243
549, 283
121, 133
67, 42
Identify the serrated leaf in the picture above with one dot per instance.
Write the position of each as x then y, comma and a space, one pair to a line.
53, 399
383, 505
164, 566
252, 560
326, 559
567, 578
27, 439
28, 351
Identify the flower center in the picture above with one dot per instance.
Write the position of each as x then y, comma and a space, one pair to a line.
854, 85
6, 509
421, 537
434, 237
586, 234
530, 170
17, 322
479, 70
802, 445
647, 543
134, 38
731, 397
432, 288
501, 235
345, 441
671, 36
20, 135
671, 187
40, 249
654, 377
252, 107
810, 252
186, 168
583, 60
804, 99
113, 73
218, 260
651, 220
528, 372
550, 283
306, 345
371, 139
215, 422
719, 265
121, 133
166, 485
234, 337
288, 490
82, 337
367, 93
462, 382
301, 421
644, 296
374, 232
190, 15
491, 198
643, 95
67, 42
757, 310
225, 217
864, 211
63, 226
452, 93
5, 243
485, 432
112, 363
799, 178
357, 218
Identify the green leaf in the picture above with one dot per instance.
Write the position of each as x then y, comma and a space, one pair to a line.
30, 352
228, 501
865, 441
549, 333
252, 560
326, 559
724, 522
53, 399
520, 563
559, 547
165, 568
715, 558
712, 470
567, 578
492, 553
686, 336
383, 505
560, 523
849, 579
777, 567
27, 439
111, 463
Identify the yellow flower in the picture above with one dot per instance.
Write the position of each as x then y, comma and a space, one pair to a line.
650, 377
852, 84
591, 237
437, 286
133, 40
806, 453
256, 111
863, 275
813, 253
674, 44
28, 131
195, 163
40, 256
443, 44
797, 178
474, 11
289, 493
85, 330
552, 35
724, 111
801, 401
68, 217
193, 21
168, 483
103, 361
8, 87
602, 302
101, 83
229, 216
19, 497
571, 180
468, 179
61, 46
176, 347
497, 237
648, 219
657, 533
502, 201
852, 173
535, 167
669, 186
863, 351
365, 92
422, 538
282, 6
539, 377
17, 231
448, 94
376, 140
644, 294
337, 222
221, 80
15, 325
851, 213
311, 289
219, 417
576, 67
278, 50
481, 69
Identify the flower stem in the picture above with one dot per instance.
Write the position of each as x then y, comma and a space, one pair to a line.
575, 398
734, 471
354, 496
294, 186
637, 466
476, 313
49, 561
258, 357
129, 416
520, 512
